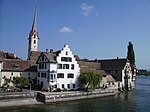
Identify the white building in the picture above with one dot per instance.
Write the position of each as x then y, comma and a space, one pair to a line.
58, 70
68, 69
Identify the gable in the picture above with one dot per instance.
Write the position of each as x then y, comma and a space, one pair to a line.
42, 58
47, 58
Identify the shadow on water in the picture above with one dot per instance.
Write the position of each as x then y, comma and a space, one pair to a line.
132, 101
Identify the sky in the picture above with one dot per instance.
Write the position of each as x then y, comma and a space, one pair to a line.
94, 29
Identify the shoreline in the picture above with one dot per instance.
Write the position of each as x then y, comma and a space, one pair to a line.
51, 98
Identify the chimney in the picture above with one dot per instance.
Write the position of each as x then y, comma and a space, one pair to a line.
46, 50
51, 50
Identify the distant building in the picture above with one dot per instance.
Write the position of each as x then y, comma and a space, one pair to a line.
120, 70
11, 66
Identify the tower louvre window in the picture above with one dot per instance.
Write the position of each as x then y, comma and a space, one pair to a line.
34, 41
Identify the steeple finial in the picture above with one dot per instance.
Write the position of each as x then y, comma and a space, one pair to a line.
34, 21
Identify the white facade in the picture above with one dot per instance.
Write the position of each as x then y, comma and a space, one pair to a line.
63, 72
10, 75
67, 66
33, 42
127, 76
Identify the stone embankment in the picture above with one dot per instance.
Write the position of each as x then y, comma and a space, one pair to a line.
70, 96
18, 99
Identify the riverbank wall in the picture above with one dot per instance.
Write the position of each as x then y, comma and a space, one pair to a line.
46, 97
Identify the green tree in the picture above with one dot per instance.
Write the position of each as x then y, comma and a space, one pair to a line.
6, 82
131, 54
90, 79
20, 80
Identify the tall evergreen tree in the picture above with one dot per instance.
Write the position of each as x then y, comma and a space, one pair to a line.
131, 54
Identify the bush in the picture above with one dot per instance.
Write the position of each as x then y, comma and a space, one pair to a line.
64, 90
57, 90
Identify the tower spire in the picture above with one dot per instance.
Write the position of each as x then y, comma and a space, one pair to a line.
33, 36
34, 29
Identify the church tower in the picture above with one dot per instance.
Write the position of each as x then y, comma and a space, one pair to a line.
33, 36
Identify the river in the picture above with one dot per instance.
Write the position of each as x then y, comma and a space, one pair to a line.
137, 100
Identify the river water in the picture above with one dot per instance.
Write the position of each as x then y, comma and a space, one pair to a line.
137, 100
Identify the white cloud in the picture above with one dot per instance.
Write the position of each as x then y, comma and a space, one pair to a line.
86, 9
65, 29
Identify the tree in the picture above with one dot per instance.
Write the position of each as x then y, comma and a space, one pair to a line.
90, 79
130, 54
6, 82
20, 81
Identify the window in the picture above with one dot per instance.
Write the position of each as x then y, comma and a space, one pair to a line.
70, 75
55, 85
38, 74
72, 66
34, 36
39, 66
66, 66
63, 86
43, 75
51, 76
66, 59
60, 75
68, 86
28, 74
59, 66
74, 86
12, 73
45, 65
42, 65
34, 41
66, 53
43, 58
38, 82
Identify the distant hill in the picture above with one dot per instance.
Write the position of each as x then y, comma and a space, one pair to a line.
145, 72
